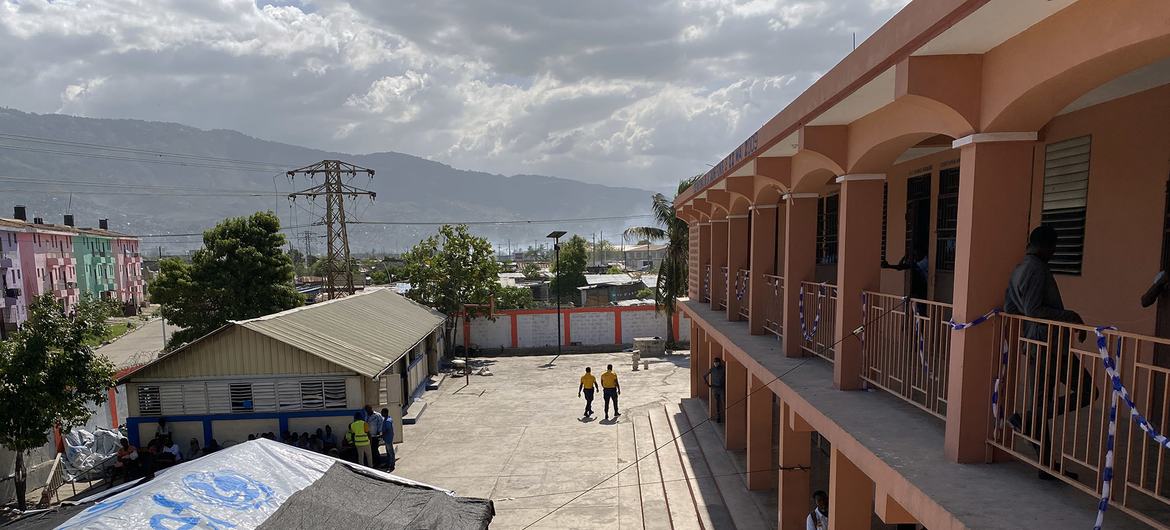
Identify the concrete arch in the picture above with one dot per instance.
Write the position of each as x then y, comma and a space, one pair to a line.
879, 138
1030, 79
768, 194
739, 206
812, 170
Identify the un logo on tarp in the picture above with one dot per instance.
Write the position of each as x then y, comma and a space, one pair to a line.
228, 489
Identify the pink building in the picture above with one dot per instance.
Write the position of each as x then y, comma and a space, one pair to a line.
13, 310
131, 287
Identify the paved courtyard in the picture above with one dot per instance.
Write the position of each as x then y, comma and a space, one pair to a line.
519, 438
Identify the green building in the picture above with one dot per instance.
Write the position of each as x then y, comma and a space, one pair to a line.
95, 263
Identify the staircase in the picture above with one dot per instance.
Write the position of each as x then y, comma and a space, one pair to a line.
691, 482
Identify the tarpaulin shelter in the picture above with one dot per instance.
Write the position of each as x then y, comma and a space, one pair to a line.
267, 485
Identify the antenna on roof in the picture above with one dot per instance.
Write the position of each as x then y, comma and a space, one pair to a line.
854, 40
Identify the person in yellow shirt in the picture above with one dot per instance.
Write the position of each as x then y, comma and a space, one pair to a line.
588, 385
358, 434
610, 389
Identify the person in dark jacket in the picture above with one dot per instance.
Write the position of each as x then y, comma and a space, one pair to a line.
1032, 292
716, 379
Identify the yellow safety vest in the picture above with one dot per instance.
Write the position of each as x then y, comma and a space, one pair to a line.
357, 433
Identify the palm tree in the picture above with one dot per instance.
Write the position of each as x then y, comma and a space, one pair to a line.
672, 274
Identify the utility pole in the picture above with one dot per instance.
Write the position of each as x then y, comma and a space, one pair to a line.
338, 269
307, 236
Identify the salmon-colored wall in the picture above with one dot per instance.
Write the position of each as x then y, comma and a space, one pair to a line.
1128, 168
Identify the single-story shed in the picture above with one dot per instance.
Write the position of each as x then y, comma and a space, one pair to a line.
297, 370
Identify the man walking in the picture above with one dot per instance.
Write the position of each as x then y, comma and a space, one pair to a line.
388, 437
716, 379
1032, 292
588, 386
610, 390
358, 435
375, 421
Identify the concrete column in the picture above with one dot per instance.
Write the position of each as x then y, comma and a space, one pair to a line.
738, 250
762, 262
697, 370
850, 495
994, 190
735, 421
859, 258
793, 493
759, 435
800, 239
704, 255
714, 350
718, 259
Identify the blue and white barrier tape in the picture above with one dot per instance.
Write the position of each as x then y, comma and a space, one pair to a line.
995, 408
959, 326
809, 336
921, 339
1115, 378
741, 284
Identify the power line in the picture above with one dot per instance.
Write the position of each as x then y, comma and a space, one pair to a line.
507, 222
122, 185
100, 156
853, 333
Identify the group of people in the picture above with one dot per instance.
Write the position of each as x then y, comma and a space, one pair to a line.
160, 452
364, 435
610, 390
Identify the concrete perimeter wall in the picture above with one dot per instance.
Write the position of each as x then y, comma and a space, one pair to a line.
587, 326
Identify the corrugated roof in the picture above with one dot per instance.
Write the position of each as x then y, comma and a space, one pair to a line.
597, 279
364, 332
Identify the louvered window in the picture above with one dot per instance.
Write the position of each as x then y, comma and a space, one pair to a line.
312, 394
241, 395
1066, 193
149, 403
335, 393
827, 230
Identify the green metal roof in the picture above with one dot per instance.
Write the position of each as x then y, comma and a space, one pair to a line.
364, 332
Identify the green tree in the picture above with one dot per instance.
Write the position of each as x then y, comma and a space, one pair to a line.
570, 268
672, 274
50, 376
514, 298
614, 269
240, 273
451, 269
532, 271
645, 293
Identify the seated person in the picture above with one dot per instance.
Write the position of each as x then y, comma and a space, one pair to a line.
212, 447
329, 439
315, 444
125, 460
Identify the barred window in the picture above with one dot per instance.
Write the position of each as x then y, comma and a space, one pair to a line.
827, 230
149, 402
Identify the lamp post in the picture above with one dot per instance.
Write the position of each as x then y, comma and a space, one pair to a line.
556, 237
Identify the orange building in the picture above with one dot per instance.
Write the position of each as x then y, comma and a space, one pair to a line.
939, 143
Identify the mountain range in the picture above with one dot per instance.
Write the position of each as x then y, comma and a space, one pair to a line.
111, 169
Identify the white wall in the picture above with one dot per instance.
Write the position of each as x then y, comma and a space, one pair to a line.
589, 327
592, 328
532, 331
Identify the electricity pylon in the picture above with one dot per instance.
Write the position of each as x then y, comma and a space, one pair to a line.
338, 265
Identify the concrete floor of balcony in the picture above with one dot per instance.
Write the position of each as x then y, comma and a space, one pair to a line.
878, 430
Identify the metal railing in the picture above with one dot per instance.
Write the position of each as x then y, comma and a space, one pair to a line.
906, 349
822, 298
1054, 401
721, 295
705, 292
774, 304
743, 292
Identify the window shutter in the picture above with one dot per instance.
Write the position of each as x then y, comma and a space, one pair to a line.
149, 403
335, 394
1066, 194
172, 399
264, 396
288, 395
312, 394
219, 399
195, 398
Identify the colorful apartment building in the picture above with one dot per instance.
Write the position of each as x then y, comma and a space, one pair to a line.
67, 262
935, 147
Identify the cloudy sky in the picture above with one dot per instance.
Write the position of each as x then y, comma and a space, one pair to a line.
635, 92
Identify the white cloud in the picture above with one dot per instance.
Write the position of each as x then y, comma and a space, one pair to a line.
627, 93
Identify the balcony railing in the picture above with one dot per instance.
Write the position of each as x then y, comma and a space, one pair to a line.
906, 349
817, 334
743, 292
774, 304
1054, 398
706, 289
721, 295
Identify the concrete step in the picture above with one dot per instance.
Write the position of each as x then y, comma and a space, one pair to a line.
745, 512
679, 499
655, 512
709, 503
414, 412
629, 493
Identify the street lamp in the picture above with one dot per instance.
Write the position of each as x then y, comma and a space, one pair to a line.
556, 235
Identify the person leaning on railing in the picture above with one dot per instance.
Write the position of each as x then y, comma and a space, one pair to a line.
1032, 292
1156, 290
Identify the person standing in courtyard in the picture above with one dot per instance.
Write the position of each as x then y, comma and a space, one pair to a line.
716, 378
588, 386
388, 439
610, 390
358, 435
374, 421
